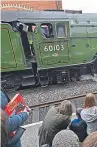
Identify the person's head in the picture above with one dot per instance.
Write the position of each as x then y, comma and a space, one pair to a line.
65, 108
20, 27
91, 140
90, 100
4, 134
65, 138
78, 112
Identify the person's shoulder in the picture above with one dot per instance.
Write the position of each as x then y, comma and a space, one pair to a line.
96, 107
53, 108
83, 111
83, 122
2, 93
3, 96
4, 100
51, 111
74, 121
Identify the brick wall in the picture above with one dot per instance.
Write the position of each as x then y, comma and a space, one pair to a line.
30, 5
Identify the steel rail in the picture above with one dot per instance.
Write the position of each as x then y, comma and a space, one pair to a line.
56, 102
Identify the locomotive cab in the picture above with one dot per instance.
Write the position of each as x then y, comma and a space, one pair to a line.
53, 47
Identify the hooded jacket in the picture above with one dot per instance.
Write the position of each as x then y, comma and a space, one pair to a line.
79, 127
52, 124
89, 115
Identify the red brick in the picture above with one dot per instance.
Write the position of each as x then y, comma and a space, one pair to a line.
34, 5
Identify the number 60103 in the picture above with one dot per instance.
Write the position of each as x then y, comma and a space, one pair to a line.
53, 48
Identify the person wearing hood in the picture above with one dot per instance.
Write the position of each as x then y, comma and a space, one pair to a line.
57, 119
89, 113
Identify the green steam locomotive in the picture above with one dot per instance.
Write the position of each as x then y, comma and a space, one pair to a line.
42, 48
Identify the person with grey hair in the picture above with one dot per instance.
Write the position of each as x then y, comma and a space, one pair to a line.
65, 138
57, 119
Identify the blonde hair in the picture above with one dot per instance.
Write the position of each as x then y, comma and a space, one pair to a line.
65, 108
90, 100
91, 140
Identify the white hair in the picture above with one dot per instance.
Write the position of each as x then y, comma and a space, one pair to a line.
65, 138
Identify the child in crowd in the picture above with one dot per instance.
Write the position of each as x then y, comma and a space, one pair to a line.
78, 126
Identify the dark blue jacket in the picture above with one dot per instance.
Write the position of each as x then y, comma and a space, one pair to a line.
79, 127
14, 121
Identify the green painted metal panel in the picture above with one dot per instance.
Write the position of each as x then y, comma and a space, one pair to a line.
92, 31
7, 52
83, 49
83, 43
78, 31
54, 53
12, 55
92, 46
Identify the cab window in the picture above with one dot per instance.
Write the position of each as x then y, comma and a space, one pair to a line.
32, 28
46, 30
61, 30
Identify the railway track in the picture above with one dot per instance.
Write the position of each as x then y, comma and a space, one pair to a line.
38, 112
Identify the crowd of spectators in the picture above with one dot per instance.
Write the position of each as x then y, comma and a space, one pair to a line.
58, 130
